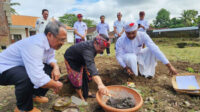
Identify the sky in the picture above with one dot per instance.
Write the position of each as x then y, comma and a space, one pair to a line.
93, 9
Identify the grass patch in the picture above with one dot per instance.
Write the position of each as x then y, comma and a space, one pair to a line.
61, 51
167, 45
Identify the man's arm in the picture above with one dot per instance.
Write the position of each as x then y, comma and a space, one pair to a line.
101, 86
159, 55
120, 52
97, 28
146, 26
55, 74
37, 25
32, 58
115, 30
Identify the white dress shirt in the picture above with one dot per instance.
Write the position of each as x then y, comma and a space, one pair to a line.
143, 23
81, 27
125, 45
119, 26
41, 24
103, 28
31, 53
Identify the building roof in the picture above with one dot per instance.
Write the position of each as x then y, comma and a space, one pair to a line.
176, 29
27, 21
19, 20
91, 30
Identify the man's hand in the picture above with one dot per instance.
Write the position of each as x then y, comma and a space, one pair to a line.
129, 71
55, 74
103, 89
83, 37
119, 35
58, 86
142, 27
172, 70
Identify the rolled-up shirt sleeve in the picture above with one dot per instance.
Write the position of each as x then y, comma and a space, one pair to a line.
51, 57
154, 49
89, 61
119, 53
32, 58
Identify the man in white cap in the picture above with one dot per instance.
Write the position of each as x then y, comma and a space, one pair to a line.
119, 26
80, 29
143, 25
130, 54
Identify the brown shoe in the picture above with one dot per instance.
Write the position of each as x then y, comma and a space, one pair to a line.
33, 110
41, 99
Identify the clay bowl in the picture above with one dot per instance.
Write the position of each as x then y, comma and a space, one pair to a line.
119, 91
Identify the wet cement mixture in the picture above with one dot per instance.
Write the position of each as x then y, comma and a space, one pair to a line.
121, 103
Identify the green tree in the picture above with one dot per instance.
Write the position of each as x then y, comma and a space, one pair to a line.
70, 19
162, 19
189, 17
176, 22
12, 10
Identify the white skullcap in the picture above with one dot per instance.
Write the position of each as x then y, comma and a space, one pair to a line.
130, 26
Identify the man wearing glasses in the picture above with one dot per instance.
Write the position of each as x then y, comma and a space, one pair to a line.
29, 64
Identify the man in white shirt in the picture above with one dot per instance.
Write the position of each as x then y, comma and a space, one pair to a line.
119, 26
42, 22
143, 25
30, 66
103, 28
80, 29
130, 54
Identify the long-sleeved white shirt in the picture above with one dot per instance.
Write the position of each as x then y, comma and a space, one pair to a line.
143, 23
125, 45
31, 53
103, 28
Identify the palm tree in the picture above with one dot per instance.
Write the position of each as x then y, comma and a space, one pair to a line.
12, 10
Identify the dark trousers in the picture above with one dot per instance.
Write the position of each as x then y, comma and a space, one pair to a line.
24, 90
107, 50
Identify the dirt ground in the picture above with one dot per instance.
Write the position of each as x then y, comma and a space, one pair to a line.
157, 93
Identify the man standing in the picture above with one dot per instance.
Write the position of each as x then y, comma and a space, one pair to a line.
103, 28
42, 22
80, 29
130, 54
143, 25
28, 65
118, 26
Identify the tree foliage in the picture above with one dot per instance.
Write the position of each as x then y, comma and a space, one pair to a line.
70, 19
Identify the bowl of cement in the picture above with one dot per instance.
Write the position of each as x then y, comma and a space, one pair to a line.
122, 99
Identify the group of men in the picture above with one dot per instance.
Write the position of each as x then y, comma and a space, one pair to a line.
30, 64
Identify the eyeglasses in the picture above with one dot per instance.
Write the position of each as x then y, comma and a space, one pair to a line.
60, 39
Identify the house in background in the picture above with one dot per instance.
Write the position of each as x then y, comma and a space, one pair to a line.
24, 26
91, 33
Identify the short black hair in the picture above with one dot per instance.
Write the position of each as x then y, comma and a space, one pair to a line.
102, 16
43, 10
